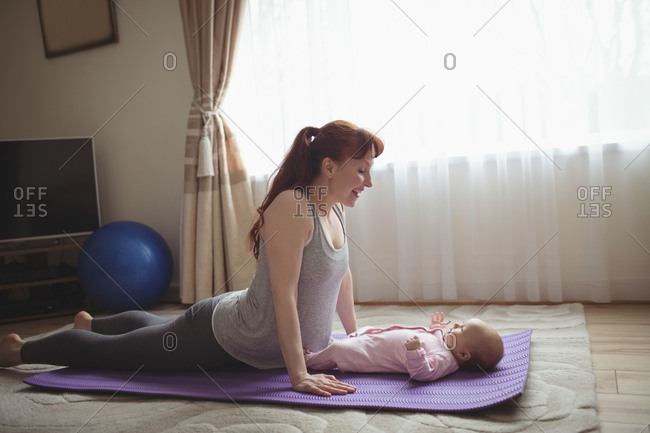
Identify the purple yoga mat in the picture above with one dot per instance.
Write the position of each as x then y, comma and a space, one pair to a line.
460, 391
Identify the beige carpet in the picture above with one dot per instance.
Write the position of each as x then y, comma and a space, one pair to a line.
559, 396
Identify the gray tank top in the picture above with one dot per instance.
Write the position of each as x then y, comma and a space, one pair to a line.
244, 322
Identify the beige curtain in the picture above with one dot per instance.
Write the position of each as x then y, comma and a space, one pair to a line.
217, 200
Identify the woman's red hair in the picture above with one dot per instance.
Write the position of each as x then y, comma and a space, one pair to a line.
338, 140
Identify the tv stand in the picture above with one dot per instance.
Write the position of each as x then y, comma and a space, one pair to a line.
39, 279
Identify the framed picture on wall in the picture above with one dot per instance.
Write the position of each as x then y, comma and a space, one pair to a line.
74, 25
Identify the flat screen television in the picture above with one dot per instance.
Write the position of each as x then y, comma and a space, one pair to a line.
48, 188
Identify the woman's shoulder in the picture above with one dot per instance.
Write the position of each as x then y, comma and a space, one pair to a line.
287, 202
288, 196
288, 209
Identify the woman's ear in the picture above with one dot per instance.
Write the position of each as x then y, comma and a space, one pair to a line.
328, 167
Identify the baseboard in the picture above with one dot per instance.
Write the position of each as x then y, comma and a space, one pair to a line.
172, 295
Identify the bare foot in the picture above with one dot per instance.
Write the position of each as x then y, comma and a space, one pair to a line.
10, 350
83, 321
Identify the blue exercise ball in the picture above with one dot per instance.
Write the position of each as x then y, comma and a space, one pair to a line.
125, 265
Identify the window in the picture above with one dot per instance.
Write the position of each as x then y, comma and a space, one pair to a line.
441, 78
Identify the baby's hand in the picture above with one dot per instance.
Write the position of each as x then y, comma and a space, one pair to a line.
438, 320
412, 343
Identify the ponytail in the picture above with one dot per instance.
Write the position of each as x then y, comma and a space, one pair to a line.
338, 140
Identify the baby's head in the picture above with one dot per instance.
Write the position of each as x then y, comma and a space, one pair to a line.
475, 344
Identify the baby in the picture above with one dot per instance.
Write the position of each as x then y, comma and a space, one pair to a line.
425, 353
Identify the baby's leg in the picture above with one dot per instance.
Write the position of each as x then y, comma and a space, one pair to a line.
182, 344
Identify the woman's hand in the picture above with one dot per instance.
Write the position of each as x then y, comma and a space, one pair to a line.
322, 384
438, 320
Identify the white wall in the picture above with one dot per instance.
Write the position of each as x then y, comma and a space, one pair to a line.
140, 151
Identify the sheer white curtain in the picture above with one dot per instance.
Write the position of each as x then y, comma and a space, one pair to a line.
497, 116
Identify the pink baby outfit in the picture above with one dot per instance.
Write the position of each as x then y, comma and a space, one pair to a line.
381, 350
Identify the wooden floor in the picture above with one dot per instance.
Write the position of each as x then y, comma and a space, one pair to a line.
620, 351
620, 347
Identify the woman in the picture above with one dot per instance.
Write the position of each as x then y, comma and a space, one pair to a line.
302, 278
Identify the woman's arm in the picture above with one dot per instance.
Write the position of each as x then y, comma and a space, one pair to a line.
285, 233
345, 304
345, 301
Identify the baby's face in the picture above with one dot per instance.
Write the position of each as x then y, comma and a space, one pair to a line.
461, 336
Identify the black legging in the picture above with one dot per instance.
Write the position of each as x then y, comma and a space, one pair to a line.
135, 339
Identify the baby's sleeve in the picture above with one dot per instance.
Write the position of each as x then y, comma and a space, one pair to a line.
425, 367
